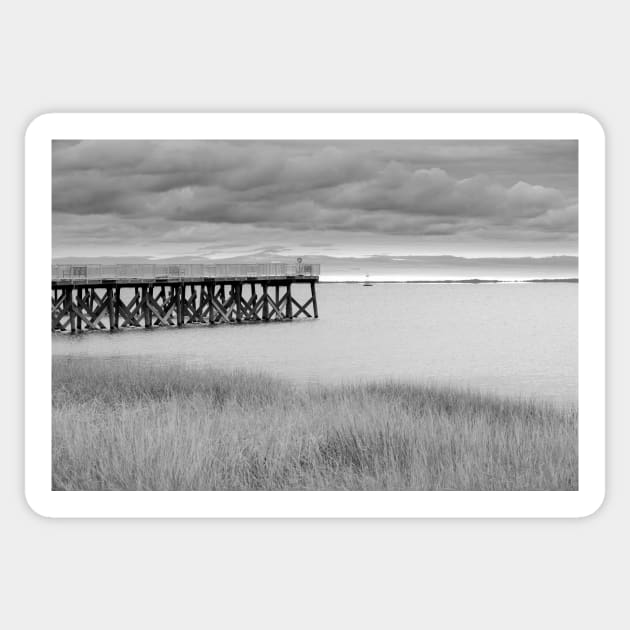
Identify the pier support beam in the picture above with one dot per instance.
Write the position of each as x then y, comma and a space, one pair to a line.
238, 294
110, 309
314, 298
117, 308
147, 292
179, 304
265, 311
111, 305
211, 298
79, 302
70, 310
289, 302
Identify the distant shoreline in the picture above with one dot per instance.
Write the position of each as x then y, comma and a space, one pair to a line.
469, 281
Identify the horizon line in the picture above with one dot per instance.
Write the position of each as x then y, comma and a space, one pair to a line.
366, 256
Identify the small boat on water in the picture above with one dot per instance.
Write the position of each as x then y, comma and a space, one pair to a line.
367, 282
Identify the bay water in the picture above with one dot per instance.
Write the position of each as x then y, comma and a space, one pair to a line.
511, 339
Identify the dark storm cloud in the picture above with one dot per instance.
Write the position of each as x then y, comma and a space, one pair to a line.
470, 189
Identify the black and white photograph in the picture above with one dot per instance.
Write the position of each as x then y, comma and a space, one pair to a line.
314, 315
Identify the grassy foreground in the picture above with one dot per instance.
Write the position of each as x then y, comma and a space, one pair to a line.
127, 426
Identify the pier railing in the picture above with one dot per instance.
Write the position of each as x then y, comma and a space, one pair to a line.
177, 272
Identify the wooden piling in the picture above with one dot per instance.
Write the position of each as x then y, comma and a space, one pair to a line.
180, 305
193, 302
161, 297
314, 298
70, 310
238, 296
117, 308
110, 309
79, 302
177, 301
147, 293
289, 302
211, 303
265, 312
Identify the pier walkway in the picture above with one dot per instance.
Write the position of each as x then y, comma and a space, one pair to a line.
111, 297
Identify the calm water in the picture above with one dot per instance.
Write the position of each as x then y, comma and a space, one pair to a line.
511, 339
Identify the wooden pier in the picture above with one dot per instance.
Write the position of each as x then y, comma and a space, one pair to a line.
112, 297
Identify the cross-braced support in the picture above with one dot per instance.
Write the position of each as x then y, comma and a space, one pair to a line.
148, 304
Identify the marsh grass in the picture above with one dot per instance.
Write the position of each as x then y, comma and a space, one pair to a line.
124, 425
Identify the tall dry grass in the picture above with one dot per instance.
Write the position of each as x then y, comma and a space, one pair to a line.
128, 426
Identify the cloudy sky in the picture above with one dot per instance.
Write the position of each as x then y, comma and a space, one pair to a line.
265, 199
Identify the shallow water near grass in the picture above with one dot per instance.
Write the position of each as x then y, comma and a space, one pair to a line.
507, 339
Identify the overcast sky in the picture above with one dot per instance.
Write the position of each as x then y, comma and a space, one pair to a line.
338, 198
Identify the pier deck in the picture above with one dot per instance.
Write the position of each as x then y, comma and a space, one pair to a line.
111, 297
